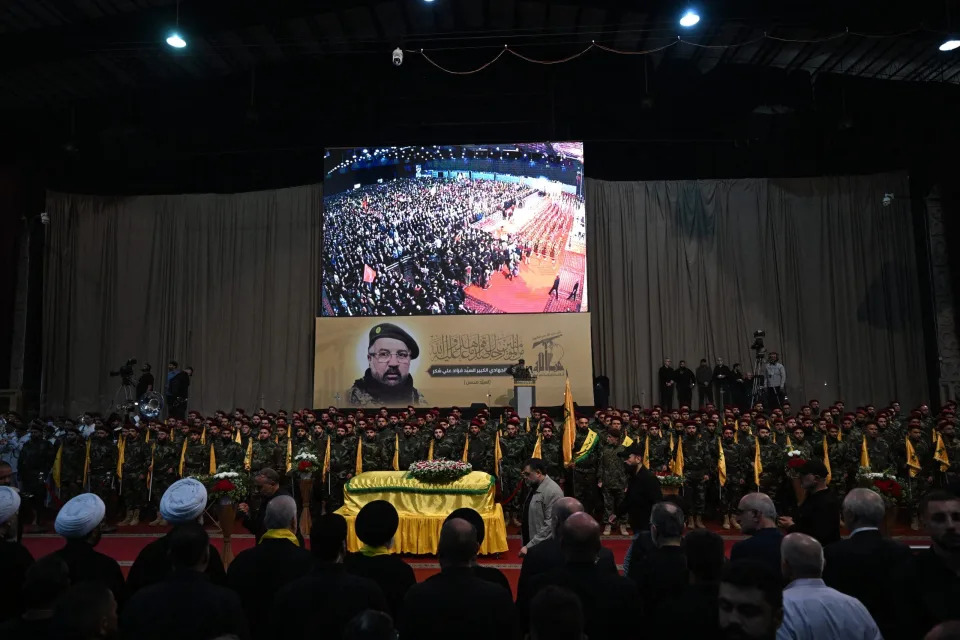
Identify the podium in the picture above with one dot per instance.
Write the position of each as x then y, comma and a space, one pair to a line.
525, 396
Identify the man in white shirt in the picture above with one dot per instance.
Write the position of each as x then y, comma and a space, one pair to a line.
811, 609
775, 379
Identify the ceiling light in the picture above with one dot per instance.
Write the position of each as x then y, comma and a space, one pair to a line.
950, 45
689, 19
175, 41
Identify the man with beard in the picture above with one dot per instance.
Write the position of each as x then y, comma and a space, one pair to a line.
442, 446
818, 516
133, 485
685, 381
371, 452
165, 456
666, 382
918, 472
263, 453
612, 481
750, 601
722, 377
228, 453
80, 522
513, 449
411, 446
387, 379
657, 449
342, 466
195, 455
103, 469
696, 473
584, 465
477, 449
704, 383
927, 586
878, 449
551, 452
33, 465
735, 463
772, 463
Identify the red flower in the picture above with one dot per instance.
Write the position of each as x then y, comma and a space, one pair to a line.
888, 487
796, 463
304, 465
224, 485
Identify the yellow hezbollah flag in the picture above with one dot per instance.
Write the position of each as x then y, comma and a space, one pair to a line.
213, 461
86, 464
940, 454
646, 453
757, 463
237, 437
153, 451
248, 456
289, 451
396, 452
359, 465
721, 465
671, 442
466, 448
430, 452
57, 466
627, 441
826, 459
789, 446
569, 424
677, 464
913, 462
147, 435
326, 461
183, 454
864, 456
121, 449
497, 454
528, 424
203, 436
538, 447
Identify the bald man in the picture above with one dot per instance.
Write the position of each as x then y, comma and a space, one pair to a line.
811, 609
605, 595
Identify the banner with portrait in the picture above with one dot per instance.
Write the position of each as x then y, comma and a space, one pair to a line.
449, 360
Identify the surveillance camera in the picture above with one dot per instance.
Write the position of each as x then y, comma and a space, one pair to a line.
397, 57
887, 199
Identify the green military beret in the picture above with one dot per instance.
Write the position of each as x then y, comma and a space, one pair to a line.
388, 330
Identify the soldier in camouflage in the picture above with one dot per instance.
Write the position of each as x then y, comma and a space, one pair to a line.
264, 454
196, 457
133, 484
878, 449
103, 469
696, 473
228, 453
411, 446
33, 467
514, 451
551, 452
444, 447
372, 452
612, 480
73, 455
918, 480
584, 466
798, 441
165, 458
343, 465
479, 449
952, 445
772, 463
660, 451
736, 468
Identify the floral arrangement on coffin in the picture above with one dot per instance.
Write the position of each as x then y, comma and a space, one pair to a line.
795, 460
306, 463
885, 484
226, 485
668, 479
439, 471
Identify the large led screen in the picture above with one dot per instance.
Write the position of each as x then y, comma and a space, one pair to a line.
454, 229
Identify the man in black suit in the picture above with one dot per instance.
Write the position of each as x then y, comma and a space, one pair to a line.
258, 573
185, 605
819, 515
609, 600
268, 486
455, 601
329, 597
490, 574
758, 519
696, 604
643, 491
666, 383
860, 565
376, 525
663, 572
548, 555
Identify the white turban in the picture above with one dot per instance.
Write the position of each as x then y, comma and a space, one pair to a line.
9, 503
80, 516
183, 501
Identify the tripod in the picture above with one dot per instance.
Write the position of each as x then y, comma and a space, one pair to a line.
124, 398
758, 391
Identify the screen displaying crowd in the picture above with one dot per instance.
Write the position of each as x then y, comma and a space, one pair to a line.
432, 236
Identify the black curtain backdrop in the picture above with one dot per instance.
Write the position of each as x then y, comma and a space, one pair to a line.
683, 269
689, 269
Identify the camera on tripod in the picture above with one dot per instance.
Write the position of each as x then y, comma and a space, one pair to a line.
125, 372
757, 345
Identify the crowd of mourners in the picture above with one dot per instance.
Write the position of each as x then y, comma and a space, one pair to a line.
409, 247
786, 479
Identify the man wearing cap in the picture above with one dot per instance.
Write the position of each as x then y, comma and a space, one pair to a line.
136, 463
183, 502
36, 458
551, 451
343, 465
103, 469
228, 453
387, 379
14, 557
411, 446
478, 448
513, 448
80, 523
697, 463
612, 480
819, 515
162, 465
878, 449
196, 456
918, 480
376, 525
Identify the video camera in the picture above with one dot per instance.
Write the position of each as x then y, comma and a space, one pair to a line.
125, 372
757, 345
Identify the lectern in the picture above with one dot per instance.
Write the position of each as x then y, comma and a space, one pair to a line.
525, 394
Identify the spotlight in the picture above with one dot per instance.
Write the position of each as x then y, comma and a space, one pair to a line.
950, 44
689, 19
175, 41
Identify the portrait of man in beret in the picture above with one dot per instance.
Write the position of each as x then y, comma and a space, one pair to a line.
387, 380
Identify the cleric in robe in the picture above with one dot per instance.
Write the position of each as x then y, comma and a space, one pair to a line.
387, 380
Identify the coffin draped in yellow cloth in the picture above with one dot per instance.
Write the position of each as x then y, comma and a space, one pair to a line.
423, 507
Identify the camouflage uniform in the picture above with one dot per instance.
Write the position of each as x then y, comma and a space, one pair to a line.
196, 459
103, 469
660, 453
72, 459
514, 453
772, 463
264, 454
585, 472
917, 486
166, 458
136, 460
612, 474
480, 453
228, 454
952, 445
33, 467
371, 456
881, 455
737, 465
411, 450
447, 448
343, 464
696, 464
551, 452
839, 454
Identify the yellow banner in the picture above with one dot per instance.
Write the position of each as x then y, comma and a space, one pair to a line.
449, 360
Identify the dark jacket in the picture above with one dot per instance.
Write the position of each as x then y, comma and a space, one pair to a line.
153, 565
390, 572
254, 521
87, 565
695, 607
456, 602
763, 546
326, 599
257, 574
492, 574
185, 606
610, 602
662, 574
819, 517
547, 557
643, 491
860, 567
14, 562
926, 592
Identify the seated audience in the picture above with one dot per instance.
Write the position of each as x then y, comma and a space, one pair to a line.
46, 581
758, 519
87, 611
455, 598
258, 573
490, 574
185, 605
860, 565
811, 609
79, 521
328, 597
